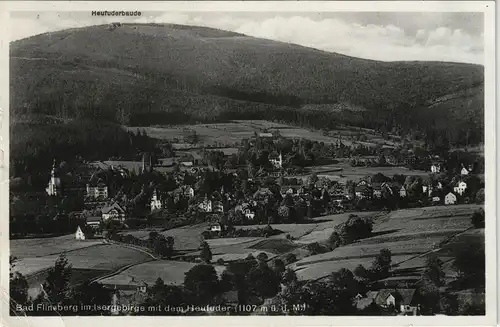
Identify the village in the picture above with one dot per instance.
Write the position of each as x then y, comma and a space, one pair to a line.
267, 188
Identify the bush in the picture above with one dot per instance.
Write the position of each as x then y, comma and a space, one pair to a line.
477, 219
290, 258
353, 229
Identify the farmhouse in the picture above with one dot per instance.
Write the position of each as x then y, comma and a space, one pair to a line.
460, 188
409, 304
83, 232
54, 186
98, 191
113, 212
405, 301
450, 198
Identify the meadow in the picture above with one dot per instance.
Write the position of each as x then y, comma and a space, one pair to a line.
103, 257
172, 272
409, 234
230, 133
40, 247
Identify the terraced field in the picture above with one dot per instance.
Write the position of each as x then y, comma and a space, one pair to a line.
408, 234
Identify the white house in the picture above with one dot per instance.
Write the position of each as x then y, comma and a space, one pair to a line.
156, 203
216, 227
464, 171
83, 233
460, 188
450, 198
402, 192
99, 191
54, 186
435, 168
276, 160
206, 205
249, 214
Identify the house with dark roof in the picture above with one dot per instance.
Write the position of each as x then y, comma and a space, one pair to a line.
377, 190
113, 212
363, 191
406, 301
94, 221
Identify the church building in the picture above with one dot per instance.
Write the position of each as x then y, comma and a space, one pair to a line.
54, 186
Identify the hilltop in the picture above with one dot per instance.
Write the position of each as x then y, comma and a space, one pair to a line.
145, 73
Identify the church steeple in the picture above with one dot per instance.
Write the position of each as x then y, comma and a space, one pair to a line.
53, 172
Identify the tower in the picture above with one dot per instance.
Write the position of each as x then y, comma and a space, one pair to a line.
53, 188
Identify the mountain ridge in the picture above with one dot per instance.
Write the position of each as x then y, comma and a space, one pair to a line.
118, 72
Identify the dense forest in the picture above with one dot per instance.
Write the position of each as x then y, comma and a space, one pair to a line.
196, 74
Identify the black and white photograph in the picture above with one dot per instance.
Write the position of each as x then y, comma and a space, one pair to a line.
175, 160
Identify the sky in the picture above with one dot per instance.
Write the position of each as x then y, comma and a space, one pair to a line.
387, 36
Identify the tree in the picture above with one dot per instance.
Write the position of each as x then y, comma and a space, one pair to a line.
262, 257
316, 298
477, 219
279, 266
205, 252
448, 304
263, 280
470, 263
289, 276
18, 288
313, 179
480, 196
94, 293
344, 279
202, 282
290, 258
361, 272
163, 296
284, 212
57, 286
433, 271
382, 264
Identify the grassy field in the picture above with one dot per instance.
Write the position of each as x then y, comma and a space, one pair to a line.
409, 234
172, 272
105, 257
39, 247
237, 130
323, 269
